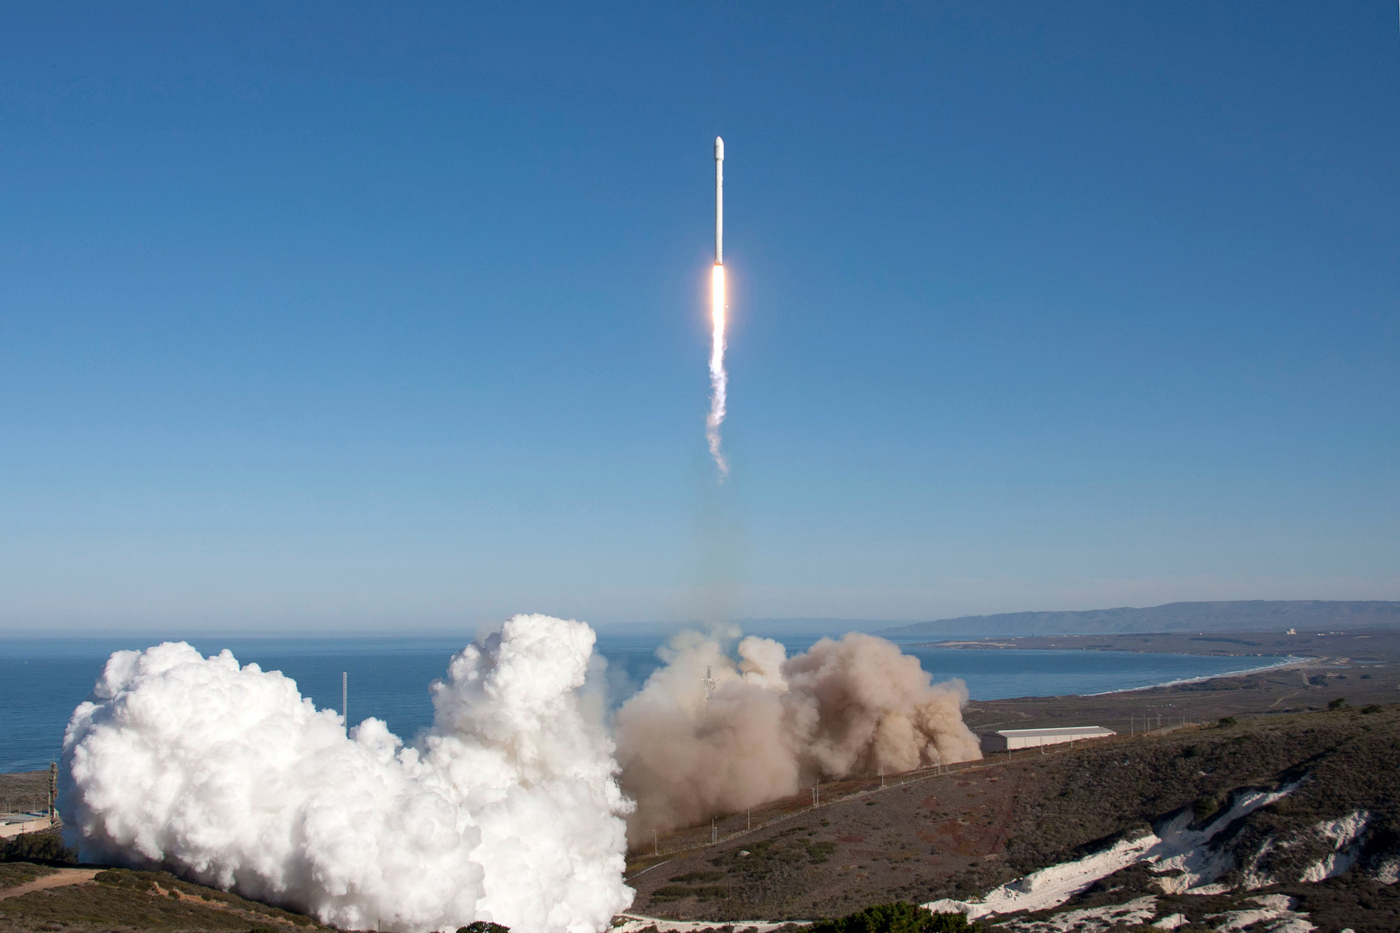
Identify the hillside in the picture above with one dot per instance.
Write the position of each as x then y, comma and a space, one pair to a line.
1301, 808
1236, 616
89, 900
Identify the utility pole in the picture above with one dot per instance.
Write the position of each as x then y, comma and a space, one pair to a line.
656, 841
714, 831
749, 814
53, 788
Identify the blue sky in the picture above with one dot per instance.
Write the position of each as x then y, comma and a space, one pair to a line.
361, 317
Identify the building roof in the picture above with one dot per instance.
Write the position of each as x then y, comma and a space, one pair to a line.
1059, 730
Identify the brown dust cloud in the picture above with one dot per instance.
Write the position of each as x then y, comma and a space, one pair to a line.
707, 735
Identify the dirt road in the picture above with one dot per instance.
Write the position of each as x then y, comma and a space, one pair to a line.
64, 876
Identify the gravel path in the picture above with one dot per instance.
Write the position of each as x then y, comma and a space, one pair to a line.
64, 876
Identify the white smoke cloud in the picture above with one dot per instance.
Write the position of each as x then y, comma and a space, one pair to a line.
508, 809
772, 725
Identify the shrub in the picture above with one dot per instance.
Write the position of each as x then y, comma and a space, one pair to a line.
45, 848
1228, 721
13, 874
1338, 703
483, 926
1373, 708
121, 878
1203, 807
899, 917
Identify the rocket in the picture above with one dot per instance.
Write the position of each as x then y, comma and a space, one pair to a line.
718, 378
719, 201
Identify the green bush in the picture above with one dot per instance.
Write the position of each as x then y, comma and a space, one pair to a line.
45, 848
899, 917
1227, 721
483, 926
1338, 703
1203, 807
121, 878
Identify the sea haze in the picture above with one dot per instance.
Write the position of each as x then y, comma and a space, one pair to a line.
42, 680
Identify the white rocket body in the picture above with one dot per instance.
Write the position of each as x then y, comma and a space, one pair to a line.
719, 201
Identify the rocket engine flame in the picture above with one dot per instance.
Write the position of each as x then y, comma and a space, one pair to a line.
719, 380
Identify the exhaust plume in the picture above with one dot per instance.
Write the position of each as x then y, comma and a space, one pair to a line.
770, 725
719, 380
507, 809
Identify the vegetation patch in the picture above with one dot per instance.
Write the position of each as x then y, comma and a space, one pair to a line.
43, 848
700, 877
899, 917
124, 900
14, 874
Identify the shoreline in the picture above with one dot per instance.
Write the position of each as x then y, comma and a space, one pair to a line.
1289, 662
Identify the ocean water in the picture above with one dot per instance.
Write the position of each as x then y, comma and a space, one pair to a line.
41, 681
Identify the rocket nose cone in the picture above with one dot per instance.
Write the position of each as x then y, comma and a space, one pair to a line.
719, 148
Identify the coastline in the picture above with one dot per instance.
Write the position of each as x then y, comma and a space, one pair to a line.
1289, 662
1357, 669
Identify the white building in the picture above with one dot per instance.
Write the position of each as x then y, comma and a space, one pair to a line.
1012, 739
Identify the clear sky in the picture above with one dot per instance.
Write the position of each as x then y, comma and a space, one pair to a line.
393, 317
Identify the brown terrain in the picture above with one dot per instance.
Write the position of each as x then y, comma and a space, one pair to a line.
959, 833
24, 791
871, 845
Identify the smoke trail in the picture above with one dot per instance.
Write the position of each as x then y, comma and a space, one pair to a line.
507, 809
718, 379
773, 725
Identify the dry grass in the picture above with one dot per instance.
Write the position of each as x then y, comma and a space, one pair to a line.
14, 874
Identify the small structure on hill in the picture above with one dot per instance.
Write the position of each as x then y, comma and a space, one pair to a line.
1008, 740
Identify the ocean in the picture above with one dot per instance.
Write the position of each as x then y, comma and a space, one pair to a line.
42, 680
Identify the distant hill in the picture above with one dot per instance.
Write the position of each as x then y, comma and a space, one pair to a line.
1253, 615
